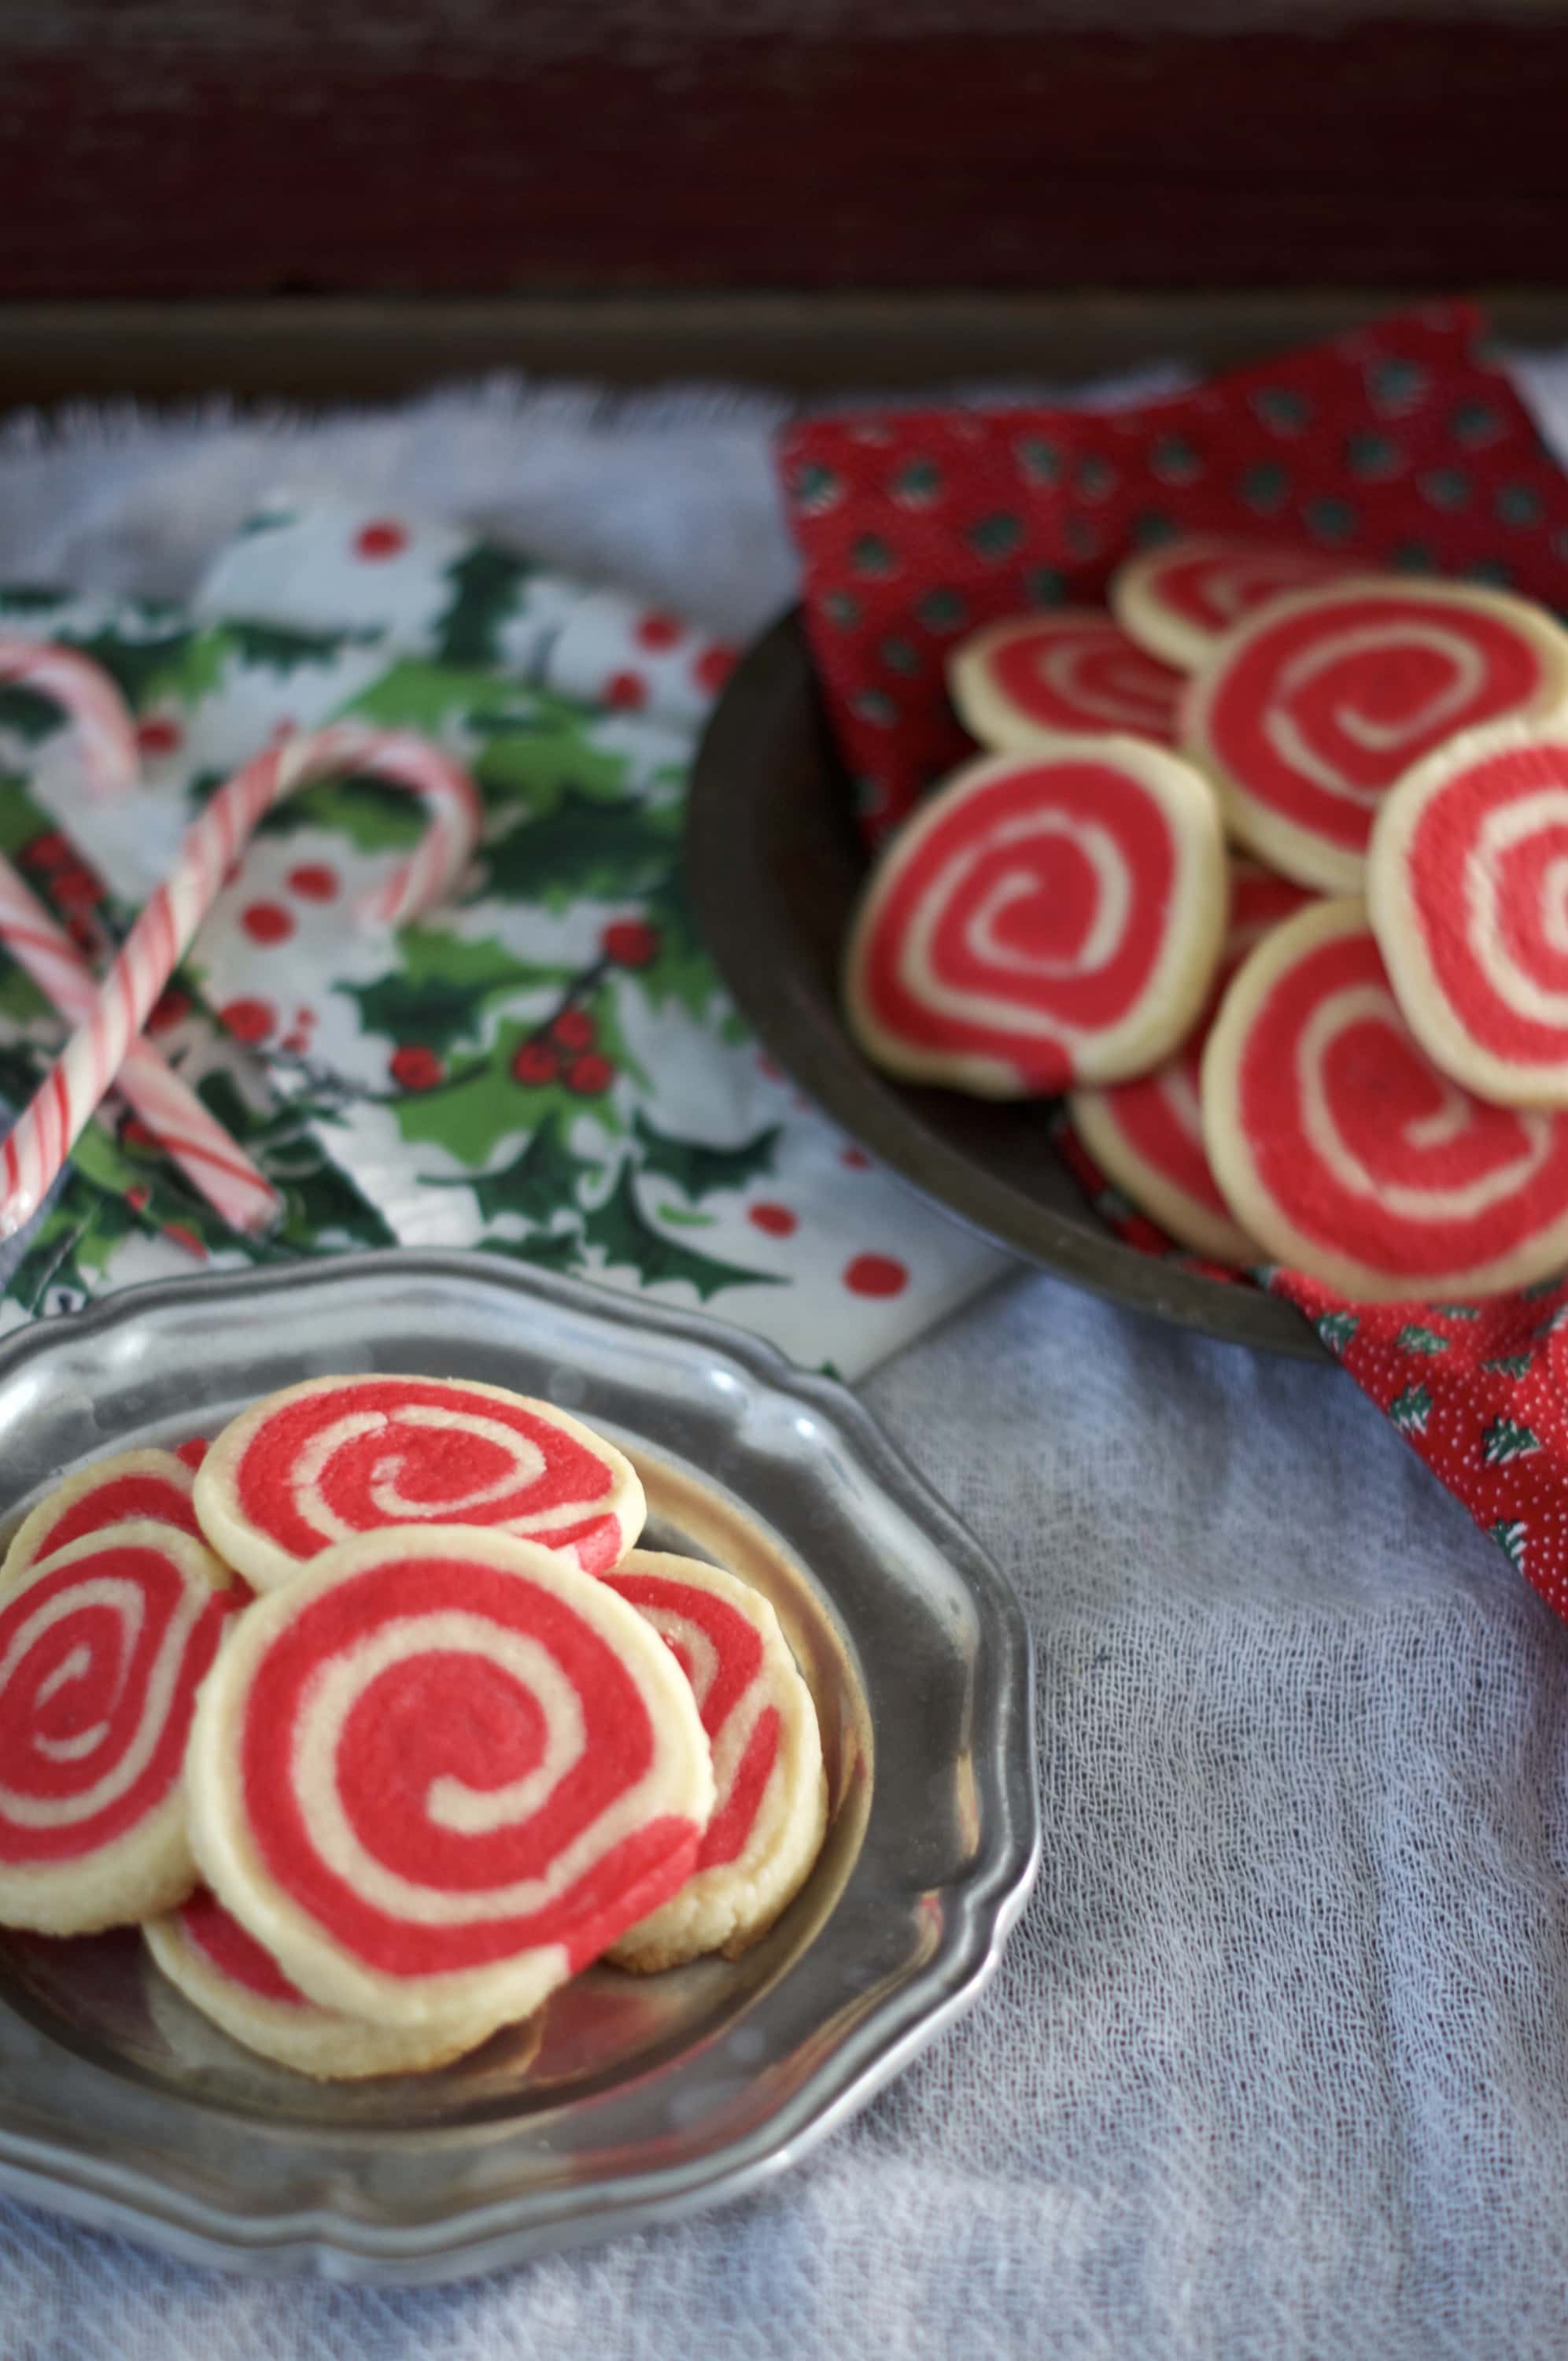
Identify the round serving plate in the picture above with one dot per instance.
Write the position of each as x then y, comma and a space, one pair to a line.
775, 866
629, 2100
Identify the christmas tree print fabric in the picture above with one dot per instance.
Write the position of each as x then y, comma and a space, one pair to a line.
549, 1068
1399, 446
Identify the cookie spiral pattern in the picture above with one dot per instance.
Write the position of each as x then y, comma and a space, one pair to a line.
1179, 599
1046, 918
1070, 671
442, 1771
770, 1801
1307, 714
103, 1648
151, 1483
1468, 891
1342, 1147
320, 1462
1147, 1135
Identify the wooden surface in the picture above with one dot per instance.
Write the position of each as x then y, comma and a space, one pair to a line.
188, 148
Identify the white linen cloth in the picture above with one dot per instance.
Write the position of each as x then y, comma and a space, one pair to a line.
1277, 2064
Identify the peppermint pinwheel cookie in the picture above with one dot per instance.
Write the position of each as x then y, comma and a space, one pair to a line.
335, 1457
1178, 600
1070, 671
1147, 1135
1348, 1153
440, 1771
153, 1484
769, 1811
207, 1955
1467, 886
103, 1647
1046, 918
1306, 714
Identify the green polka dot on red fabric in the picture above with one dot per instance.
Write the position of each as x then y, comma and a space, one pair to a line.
1446, 488
1174, 460
1282, 408
942, 610
917, 483
1039, 462
1265, 487
996, 536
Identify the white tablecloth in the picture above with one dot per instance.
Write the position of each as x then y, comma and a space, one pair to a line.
1278, 2063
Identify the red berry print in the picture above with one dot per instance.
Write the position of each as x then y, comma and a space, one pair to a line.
629, 943
535, 1063
296, 1044
857, 1159
170, 1008
589, 1075
658, 632
82, 933
874, 1274
76, 888
160, 733
266, 922
51, 851
193, 1451
185, 1237
777, 1220
383, 538
627, 691
574, 1030
139, 1198
248, 1020
713, 667
134, 1132
304, 1018
415, 1068
313, 881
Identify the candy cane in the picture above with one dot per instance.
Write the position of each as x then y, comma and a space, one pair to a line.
169, 1107
42, 1136
87, 696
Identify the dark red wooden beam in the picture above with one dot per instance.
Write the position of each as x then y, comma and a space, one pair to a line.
147, 153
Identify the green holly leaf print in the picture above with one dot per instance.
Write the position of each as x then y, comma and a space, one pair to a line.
535, 758
1458, 1311
1511, 1365
1411, 1409
541, 1181
550, 1249
698, 1168
1506, 1439
584, 849
34, 598
1414, 1338
277, 648
677, 966
1336, 1328
439, 994
485, 586
1510, 1539
140, 663
627, 1238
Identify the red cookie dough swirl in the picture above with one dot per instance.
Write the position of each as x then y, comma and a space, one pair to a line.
1348, 1153
770, 1810
1306, 715
335, 1457
223, 1971
103, 1648
1179, 599
1072, 672
1147, 1135
441, 1770
132, 1484
1045, 919
1468, 886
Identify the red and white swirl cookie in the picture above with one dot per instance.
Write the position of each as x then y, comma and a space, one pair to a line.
335, 1457
1147, 1135
1342, 1148
1306, 715
1070, 671
207, 1955
1045, 919
103, 1648
769, 1811
132, 1484
1468, 886
1179, 599
441, 1770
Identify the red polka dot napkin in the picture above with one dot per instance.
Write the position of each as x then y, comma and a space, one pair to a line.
1398, 444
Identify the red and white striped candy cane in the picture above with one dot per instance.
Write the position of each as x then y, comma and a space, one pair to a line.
88, 697
168, 1106
42, 1136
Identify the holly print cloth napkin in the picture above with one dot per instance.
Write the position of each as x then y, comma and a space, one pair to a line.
549, 1068
1399, 446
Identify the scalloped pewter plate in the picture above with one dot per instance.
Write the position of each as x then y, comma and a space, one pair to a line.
636, 2100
